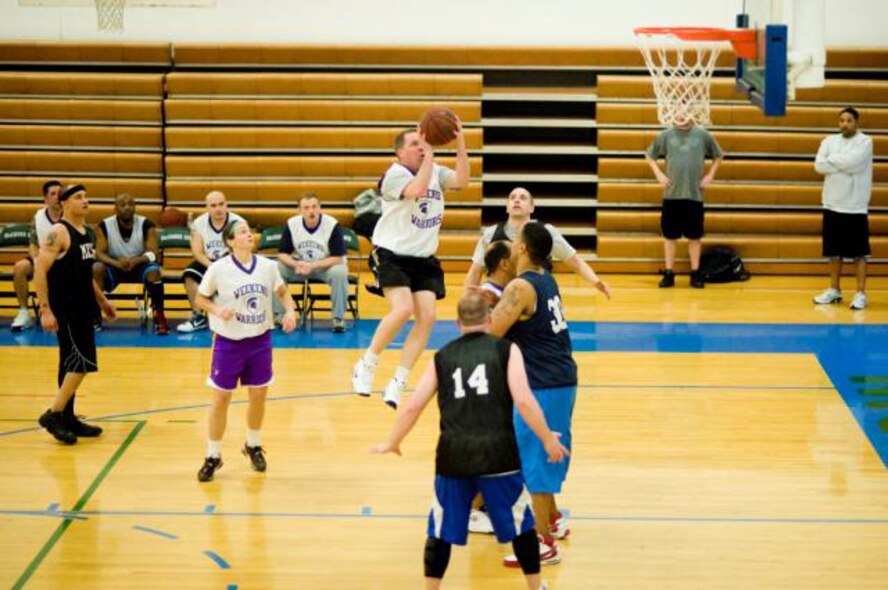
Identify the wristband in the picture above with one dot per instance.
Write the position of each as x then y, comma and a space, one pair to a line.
150, 256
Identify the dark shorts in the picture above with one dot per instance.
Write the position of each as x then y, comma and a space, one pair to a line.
508, 505
681, 217
247, 361
77, 344
114, 276
845, 235
419, 274
195, 271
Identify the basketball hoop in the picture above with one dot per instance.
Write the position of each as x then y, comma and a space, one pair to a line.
681, 61
109, 14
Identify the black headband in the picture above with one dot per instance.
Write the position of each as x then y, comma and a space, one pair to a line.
70, 192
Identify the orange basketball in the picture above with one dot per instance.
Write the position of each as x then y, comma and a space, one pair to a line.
172, 217
439, 126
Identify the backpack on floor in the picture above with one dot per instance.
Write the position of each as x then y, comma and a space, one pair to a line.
722, 265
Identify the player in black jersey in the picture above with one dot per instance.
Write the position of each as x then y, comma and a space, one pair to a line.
68, 297
479, 380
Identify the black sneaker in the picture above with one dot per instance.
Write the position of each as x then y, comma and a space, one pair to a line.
82, 429
697, 281
668, 279
54, 423
256, 455
211, 464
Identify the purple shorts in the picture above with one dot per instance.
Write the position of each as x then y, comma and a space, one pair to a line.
247, 361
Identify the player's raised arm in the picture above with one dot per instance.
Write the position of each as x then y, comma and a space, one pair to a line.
425, 391
519, 298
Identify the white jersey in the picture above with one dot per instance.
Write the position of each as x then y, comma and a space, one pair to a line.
213, 240
848, 166
42, 224
409, 227
561, 249
120, 248
248, 291
311, 244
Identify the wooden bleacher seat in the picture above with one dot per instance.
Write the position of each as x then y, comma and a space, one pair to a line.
288, 166
152, 54
29, 188
739, 170
250, 111
87, 138
24, 212
71, 84
289, 139
813, 118
384, 85
52, 164
54, 111
190, 192
748, 142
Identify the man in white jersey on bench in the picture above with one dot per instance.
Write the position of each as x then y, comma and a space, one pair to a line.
207, 245
405, 241
127, 252
23, 270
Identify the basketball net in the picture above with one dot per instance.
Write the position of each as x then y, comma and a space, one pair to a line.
109, 14
681, 71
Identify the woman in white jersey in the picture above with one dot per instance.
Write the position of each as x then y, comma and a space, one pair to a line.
405, 241
236, 293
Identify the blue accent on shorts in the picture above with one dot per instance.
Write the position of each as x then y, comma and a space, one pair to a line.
508, 505
541, 476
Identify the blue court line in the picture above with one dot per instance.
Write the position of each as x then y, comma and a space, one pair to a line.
58, 513
366, 510
616, 518
209, 509
231, 587
145, 529
218, 559
54, 507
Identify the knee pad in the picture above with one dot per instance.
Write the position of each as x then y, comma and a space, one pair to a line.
527, 550
437, 556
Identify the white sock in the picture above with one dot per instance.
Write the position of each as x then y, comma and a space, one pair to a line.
253, 438
214, 448
24, 308
401, 374
370, 358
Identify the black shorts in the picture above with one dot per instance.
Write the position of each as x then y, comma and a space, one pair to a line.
195, 270
845, 235
77, 344
682, 217
420, 274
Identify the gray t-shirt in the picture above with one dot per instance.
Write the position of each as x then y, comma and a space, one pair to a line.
561, 250
685, 152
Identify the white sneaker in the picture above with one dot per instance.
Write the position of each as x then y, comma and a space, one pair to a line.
22, 321
859, 301
362, 378
393, 391
558, 528
829, 296
549, 555
479, 522
195, 324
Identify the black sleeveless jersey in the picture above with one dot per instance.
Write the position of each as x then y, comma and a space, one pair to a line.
544, 339
477, 432
70, 277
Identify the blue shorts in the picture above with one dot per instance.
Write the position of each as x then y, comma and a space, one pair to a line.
505, 496
541, 476
114, 276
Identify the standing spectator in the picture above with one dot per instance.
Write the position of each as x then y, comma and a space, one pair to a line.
686, 148
846, 161
313, 247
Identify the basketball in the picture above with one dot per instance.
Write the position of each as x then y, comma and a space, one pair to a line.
173, 217
439, 126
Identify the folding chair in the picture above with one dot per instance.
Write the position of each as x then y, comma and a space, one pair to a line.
314, 298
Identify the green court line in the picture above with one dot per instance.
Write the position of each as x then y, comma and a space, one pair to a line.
181, 421
883, 424
63, 526
876, 405
878, 379
879, 391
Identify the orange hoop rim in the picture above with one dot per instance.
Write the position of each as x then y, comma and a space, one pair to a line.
742, 40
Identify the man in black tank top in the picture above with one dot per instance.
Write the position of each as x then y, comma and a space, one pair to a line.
68, 297
531, 315
479, 379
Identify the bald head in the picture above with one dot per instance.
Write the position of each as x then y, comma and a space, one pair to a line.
472, 310
216, 205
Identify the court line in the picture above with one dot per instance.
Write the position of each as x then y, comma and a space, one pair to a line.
56, 513
63, 526
360, 515
298, 396
218, 559
145, 529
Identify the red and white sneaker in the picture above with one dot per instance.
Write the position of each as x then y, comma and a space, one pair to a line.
558, 527
549, 554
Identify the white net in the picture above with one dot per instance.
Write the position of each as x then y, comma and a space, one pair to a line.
682, 72
109, 14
